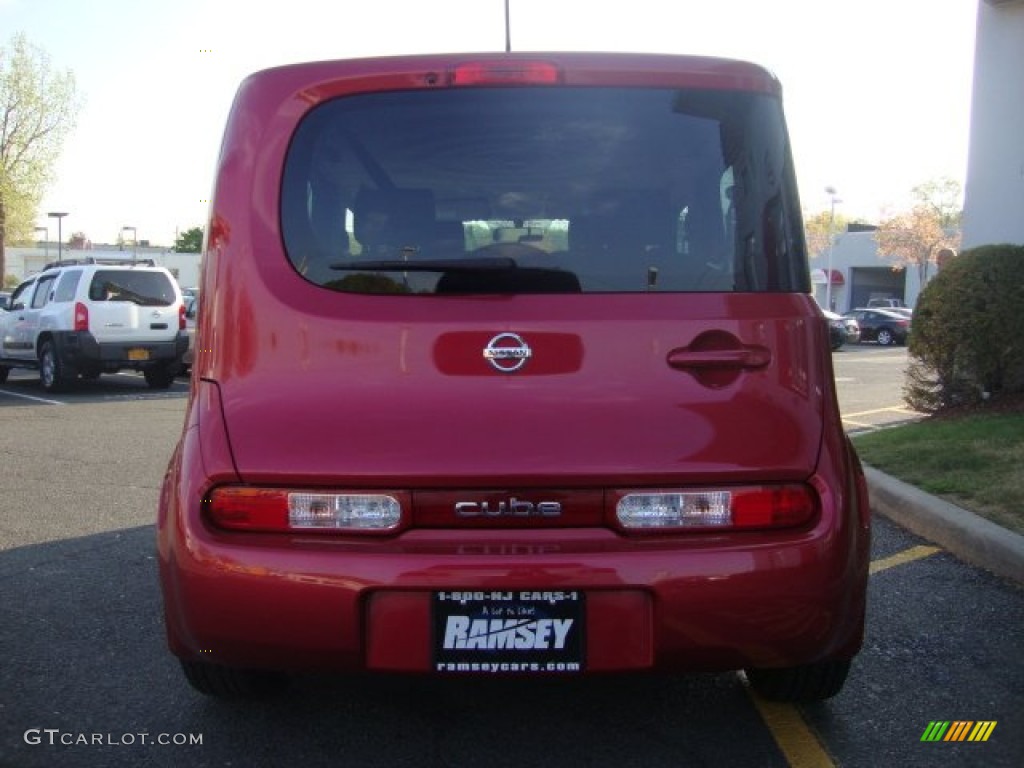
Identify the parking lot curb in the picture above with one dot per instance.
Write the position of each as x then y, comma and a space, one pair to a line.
964, 534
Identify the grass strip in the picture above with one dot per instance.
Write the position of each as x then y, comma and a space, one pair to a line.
974, 461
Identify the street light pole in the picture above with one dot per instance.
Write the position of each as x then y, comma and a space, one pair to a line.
59, 216
135, 241
46, 242
831, 192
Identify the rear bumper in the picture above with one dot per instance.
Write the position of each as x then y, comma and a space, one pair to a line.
673, 609
80, 349
696, 603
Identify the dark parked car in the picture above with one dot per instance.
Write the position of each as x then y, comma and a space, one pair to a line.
881, 325
841, 330
902, 311
502, 393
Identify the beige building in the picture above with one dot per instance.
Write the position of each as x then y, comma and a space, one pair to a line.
25, 261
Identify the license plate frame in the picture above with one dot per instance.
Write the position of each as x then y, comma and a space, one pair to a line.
508, 632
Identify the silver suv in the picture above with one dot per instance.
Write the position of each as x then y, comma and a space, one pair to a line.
886, 303
86, 317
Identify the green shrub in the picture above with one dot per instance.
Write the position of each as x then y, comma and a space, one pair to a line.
967, 340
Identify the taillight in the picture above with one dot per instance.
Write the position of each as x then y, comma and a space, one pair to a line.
81, 317
182, 325
716, 508
505, 73
284, 510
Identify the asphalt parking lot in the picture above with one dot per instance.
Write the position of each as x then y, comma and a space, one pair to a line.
86, 680
22, 388
869, 383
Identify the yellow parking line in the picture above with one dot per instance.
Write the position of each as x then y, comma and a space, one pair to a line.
796, 740
890, 409
860, 424
906, 556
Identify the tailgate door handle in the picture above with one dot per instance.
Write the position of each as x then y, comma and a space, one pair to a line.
746, 358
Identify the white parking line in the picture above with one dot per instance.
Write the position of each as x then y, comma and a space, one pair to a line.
31, 397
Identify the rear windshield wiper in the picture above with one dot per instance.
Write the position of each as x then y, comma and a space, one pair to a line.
121, 293
496, 264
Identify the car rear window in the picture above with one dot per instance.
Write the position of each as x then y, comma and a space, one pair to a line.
147, 288
544, 190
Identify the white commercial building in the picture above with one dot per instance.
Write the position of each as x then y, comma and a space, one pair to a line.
22, 262
859, 274
994, 192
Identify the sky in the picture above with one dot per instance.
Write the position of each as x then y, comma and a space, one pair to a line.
877, 92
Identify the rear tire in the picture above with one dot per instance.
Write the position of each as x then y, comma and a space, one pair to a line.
885, 337
231, 683
53, 374
810, 682
3, 374
158, 378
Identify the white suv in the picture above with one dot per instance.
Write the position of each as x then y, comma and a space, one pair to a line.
85, 317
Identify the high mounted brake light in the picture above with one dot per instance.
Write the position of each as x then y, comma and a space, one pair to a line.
506, 73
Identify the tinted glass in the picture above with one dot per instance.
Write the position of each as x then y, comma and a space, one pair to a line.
21, 294
67, 285
150, 289
42, 294
541, 190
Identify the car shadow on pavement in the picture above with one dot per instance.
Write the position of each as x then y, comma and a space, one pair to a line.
84, 657
84, 654
27, 391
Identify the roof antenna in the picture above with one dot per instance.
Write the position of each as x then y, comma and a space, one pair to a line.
508, 31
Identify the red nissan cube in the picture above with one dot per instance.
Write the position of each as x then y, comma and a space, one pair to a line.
507, 364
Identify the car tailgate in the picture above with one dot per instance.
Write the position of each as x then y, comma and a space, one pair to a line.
117, 321
631, 389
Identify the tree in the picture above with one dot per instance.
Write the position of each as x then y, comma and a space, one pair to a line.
916, 237
190, 241
819, 230
38, 108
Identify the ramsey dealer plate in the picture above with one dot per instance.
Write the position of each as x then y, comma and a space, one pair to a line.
521, 631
